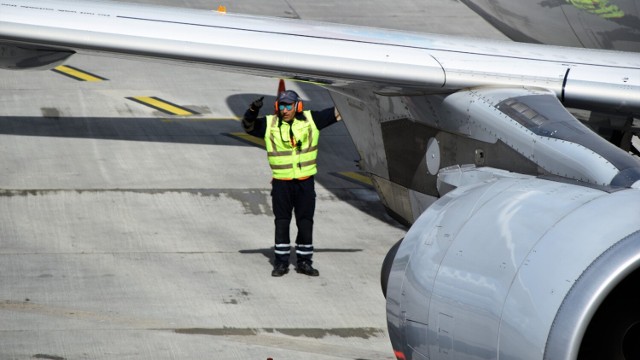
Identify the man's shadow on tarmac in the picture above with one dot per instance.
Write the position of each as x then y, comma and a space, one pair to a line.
268, 253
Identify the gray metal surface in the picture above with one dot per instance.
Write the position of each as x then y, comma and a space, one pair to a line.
548, 135
493, 260
130, 234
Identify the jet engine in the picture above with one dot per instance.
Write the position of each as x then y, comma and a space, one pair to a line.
511, 266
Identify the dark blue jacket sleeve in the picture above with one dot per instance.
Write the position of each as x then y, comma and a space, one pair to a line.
254, 125
324, 118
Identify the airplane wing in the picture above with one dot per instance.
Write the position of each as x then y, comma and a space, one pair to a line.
325, 53
525, 232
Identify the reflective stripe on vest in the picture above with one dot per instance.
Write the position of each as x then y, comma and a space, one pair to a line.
292, 159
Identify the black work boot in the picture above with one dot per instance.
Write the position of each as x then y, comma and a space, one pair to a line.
280, 269
307, 269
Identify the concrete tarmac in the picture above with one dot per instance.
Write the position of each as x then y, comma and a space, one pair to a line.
129, 233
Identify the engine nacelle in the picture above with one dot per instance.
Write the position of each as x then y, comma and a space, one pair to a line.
518, 267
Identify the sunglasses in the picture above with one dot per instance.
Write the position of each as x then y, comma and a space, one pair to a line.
287, 106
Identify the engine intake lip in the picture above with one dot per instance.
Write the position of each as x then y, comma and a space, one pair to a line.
588, 293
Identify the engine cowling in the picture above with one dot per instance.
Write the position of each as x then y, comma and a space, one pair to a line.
519, 267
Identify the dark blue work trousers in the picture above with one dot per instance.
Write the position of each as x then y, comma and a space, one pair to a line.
298, 196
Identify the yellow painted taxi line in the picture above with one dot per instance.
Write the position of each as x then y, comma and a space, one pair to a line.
248, 138
357, 177
162, 105
77, 74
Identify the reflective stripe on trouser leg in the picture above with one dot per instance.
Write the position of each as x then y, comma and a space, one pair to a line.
282, 253
304, 253
304, 241
282, 241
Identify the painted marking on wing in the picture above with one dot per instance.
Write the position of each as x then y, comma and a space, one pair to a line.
244, 137
163, 105
356, 177
77, 74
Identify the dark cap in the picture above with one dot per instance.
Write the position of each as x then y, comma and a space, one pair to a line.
288, 97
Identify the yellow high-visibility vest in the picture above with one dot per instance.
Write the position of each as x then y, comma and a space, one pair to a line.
292, 158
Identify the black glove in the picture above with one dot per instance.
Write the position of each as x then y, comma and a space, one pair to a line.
256, 105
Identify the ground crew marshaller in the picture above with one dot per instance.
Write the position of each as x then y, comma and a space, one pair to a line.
291, 138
